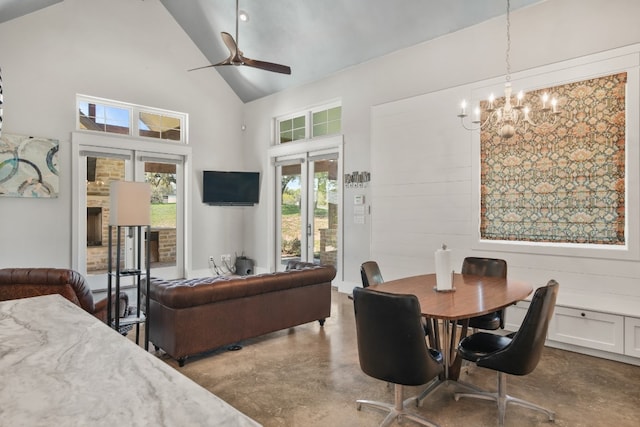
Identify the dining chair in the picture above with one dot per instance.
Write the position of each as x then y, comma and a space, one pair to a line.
392, 348
370, 274
491, 267
515, 354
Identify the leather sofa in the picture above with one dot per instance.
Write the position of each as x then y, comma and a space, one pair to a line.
192, 316
18, 283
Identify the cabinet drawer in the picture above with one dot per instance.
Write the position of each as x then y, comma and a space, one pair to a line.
515, 315
588, 329
632, 336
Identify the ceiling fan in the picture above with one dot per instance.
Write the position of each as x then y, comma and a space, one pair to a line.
236, 57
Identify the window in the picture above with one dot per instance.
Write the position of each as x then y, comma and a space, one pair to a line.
103, 115
561, 184
327, 122
103, 118
322, 121
293, 129
157, 125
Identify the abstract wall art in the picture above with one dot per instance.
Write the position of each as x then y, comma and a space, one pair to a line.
28, 166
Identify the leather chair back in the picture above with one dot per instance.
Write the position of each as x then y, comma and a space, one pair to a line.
522, 355
490, 267
370, 274
391, 341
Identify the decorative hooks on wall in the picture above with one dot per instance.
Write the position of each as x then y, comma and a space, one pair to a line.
356, 179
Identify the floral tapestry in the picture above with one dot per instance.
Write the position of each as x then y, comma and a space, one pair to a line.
561, 182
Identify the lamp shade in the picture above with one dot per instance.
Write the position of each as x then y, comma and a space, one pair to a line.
130, 203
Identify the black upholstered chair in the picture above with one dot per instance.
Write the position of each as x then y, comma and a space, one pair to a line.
370, 274
392, 348
516, 354
486, 267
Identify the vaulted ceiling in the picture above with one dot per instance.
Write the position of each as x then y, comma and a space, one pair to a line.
316, 38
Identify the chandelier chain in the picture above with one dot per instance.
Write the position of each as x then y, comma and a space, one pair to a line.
508, 53
513, 115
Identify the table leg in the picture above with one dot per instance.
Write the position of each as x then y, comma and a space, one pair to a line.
455, 360
450, 359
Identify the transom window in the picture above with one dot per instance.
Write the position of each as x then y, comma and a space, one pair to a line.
104, 115
313, 123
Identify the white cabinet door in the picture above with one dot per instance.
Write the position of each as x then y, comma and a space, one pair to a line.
515, 315
588, 329
632, 336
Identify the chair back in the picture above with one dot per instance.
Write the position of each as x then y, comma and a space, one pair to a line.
370, 274
522, 355
391, 340
490, 267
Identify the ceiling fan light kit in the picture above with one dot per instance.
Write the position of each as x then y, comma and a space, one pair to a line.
237, 58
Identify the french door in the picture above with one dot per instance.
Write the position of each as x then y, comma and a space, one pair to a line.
99, 164
308, 226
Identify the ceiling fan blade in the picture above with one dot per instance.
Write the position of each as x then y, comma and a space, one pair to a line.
268, 66
225, 62
230, 43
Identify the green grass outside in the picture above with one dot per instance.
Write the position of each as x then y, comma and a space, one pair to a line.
163, 215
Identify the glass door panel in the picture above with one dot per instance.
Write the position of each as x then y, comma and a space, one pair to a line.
324, 241
101, 170
291, 236
308, 206
164, 251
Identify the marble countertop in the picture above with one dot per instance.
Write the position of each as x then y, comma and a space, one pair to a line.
60, 366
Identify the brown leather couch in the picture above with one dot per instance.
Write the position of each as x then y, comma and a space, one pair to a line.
191, 316
18, 283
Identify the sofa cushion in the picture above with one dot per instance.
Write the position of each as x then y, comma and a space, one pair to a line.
182, 293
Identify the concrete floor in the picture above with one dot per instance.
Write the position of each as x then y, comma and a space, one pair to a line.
310, 376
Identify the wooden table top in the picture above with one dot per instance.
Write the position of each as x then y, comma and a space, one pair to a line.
473, 295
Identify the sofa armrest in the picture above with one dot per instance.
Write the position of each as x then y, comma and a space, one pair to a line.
122, 306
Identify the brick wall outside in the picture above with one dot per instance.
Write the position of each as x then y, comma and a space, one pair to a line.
108, 170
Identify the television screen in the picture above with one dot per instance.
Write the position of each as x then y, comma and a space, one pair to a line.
230, 188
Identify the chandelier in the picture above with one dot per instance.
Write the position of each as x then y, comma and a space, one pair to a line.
506, 119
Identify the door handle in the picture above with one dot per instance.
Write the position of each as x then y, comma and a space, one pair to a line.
308, 229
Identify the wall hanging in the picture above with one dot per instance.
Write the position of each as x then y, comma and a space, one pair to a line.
28, 166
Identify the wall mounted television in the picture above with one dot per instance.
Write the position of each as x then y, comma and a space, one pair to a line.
224, 188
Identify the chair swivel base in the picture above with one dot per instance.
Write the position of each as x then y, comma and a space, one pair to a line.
396, 410
503, 399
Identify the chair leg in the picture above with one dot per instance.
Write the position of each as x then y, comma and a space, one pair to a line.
396, 410
503, 399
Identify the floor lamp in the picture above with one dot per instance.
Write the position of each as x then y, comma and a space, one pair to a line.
130, 206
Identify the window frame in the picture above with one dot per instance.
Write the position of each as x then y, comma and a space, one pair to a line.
552, 76
134, 115
308, 125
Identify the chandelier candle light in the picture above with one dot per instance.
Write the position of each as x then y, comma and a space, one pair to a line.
507, 118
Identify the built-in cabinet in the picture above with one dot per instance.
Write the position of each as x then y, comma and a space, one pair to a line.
632, 336
601, 331
586, 329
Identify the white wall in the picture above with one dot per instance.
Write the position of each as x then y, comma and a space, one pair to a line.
546, 33
125, 50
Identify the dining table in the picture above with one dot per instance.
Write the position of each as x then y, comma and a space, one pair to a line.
469, 296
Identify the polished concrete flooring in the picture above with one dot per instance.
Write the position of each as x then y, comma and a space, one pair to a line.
309, 376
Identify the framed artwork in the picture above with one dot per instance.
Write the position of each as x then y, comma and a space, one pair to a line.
28, 166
